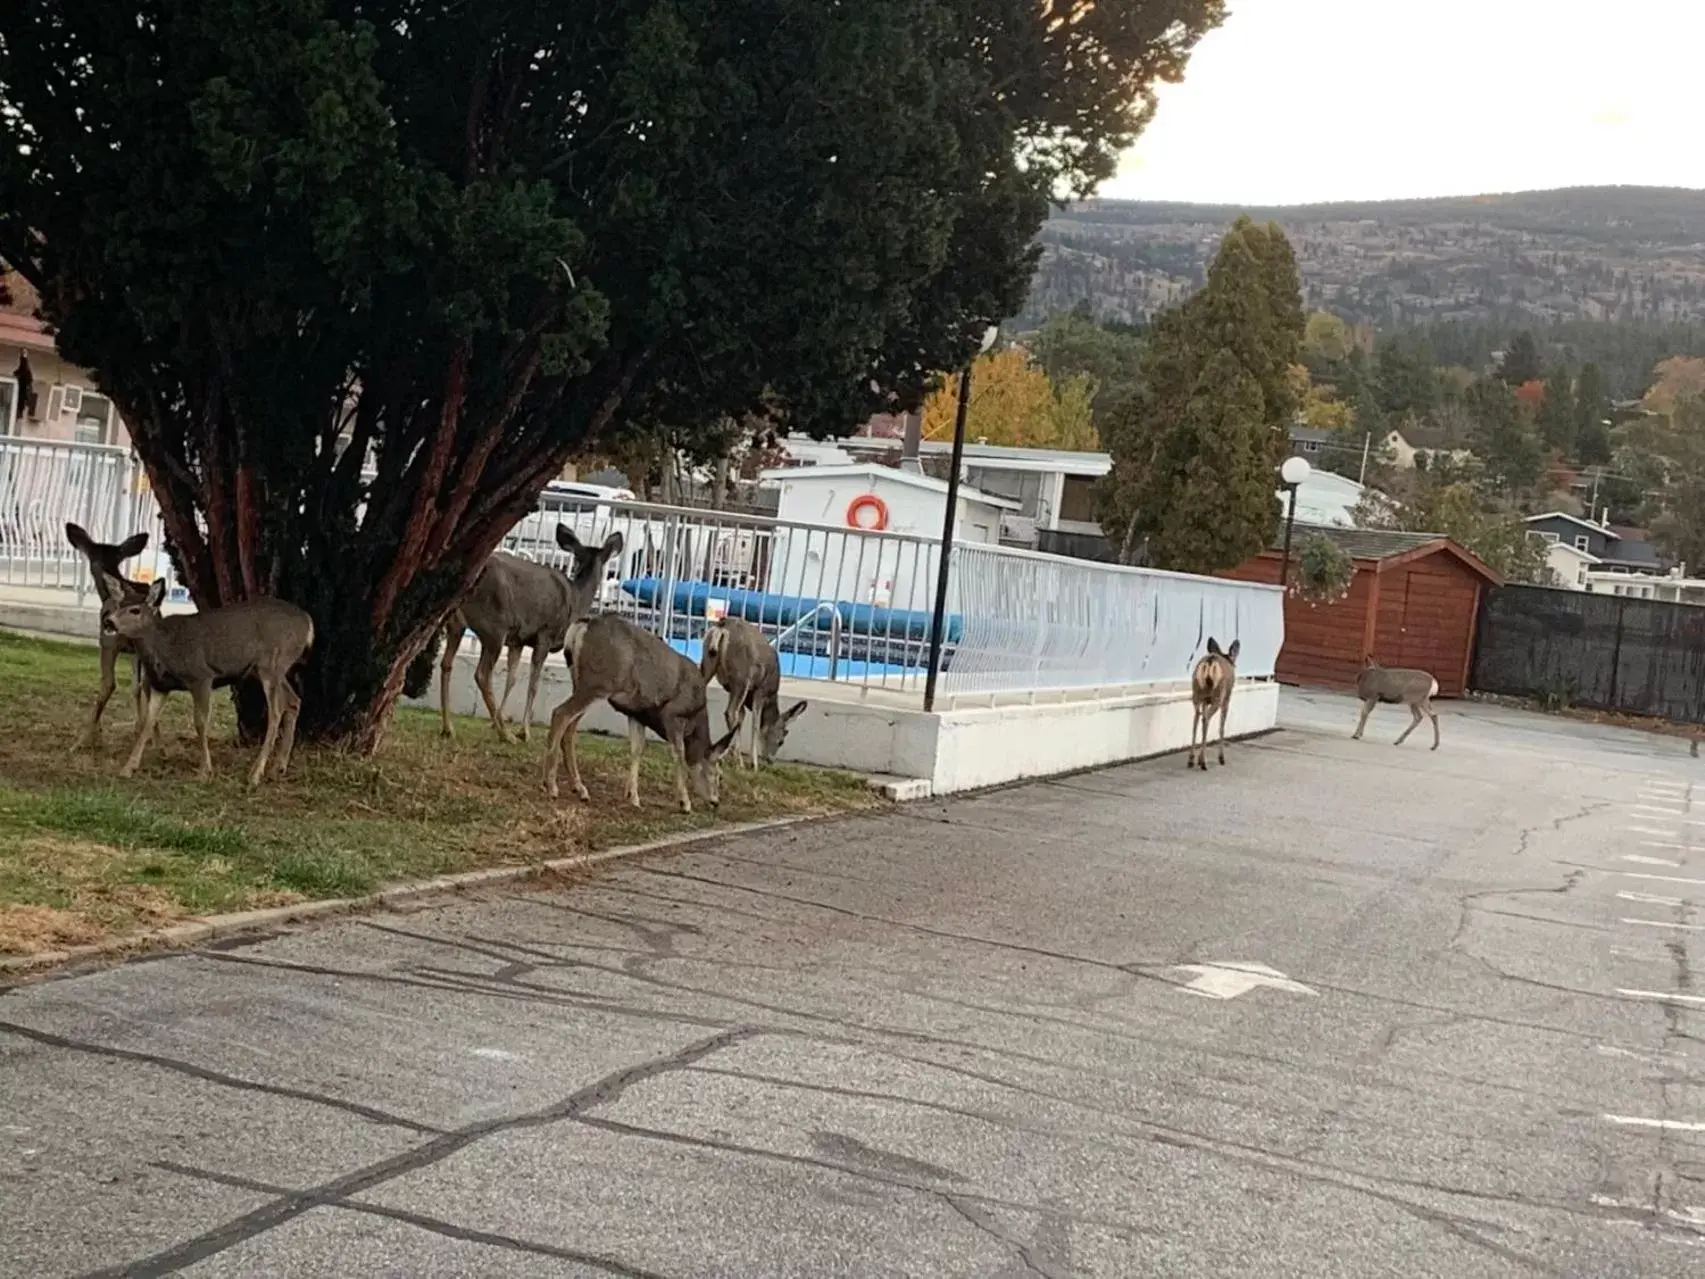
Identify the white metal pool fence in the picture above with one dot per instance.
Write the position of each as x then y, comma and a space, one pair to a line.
841, 604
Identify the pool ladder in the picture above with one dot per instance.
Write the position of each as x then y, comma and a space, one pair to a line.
810, 618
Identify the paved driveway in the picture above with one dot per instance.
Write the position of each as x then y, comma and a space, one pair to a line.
1336, 1009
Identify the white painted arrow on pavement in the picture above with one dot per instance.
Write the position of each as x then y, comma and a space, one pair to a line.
1228, 981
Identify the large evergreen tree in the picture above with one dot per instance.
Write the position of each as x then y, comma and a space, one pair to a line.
1521, 361
362, 274
1556, 419
1592, 408
1504, 443
1194, 452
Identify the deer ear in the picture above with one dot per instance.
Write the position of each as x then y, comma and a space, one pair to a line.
1232, 652
566, 539
135, 544
1214, 647
794, 711
77, 537
108, 587
719, 749
613, 545
156, 592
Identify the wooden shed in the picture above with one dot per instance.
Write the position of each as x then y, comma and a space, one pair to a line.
1414, 601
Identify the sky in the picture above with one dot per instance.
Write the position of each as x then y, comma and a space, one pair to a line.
1294, 101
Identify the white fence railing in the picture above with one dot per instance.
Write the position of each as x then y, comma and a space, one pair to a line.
841, 604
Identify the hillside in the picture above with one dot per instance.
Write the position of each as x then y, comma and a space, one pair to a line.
1622, 254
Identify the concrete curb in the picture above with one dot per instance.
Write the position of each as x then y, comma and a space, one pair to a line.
211, 927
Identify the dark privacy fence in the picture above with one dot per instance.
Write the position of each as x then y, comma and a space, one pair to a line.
1603, 651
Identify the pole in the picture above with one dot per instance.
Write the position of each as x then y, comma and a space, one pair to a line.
1367, 443
938, 620
1290, 523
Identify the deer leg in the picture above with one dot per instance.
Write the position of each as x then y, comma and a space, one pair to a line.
541, 653
636, 748
452, 641
1225, 707
678, 748
1367, 709
144, 731
565, 727
1427, 705
274, 718
202, 695
1415, 718
513, 653
482, 677
757, 739
109, 681
287, 731
1195, 718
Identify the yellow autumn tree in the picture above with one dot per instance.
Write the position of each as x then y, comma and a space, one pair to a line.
1013, 402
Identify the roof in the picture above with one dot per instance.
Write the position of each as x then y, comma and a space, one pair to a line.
1633, 551
870, 472
1325, 498
1314, 434
996, 457
1575, 519
1568, 549
1388, 548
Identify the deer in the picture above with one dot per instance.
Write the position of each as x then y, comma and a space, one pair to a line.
516, 604
1397, 686
738, 657
114, 591
1210, 693
655, 687
262, 639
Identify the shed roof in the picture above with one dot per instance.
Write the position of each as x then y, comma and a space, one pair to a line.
1387, 548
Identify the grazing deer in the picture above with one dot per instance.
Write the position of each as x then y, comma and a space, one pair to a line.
1210, 694
655, 687
260, 639
738, 656
114, 590
516, 604
1411, 688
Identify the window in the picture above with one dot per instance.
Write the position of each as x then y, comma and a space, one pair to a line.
1077, 499
1548, 538
94, 419
1581, 575
1582, 541
8, 406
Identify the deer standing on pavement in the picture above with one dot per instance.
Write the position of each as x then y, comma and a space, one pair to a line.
262, 639
655, 687
1210, 694
516, 604
738, 656
1397, 686
114, 591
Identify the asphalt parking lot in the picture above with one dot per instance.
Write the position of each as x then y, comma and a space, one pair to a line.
1336, 1009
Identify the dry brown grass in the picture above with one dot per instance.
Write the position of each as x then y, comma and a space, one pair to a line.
85, 857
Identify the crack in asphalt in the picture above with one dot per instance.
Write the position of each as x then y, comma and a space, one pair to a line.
218, 1078
289, 1206
436, 1225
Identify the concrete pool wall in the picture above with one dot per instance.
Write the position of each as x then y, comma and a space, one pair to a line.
960, 749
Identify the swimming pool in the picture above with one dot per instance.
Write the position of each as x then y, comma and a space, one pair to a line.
811, 665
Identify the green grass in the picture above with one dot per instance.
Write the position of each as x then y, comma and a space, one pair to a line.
85, 856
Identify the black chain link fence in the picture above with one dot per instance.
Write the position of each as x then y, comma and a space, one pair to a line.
1606, 652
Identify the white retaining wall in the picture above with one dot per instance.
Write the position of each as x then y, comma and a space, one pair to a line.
954, 750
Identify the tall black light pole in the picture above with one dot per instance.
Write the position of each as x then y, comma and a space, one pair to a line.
1294, 471
938, 620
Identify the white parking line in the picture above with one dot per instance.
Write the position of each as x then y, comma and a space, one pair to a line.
1653, 830
1651, 899
1674, 1125
1664, 923
1653, 808
1667, 879
1640, 859
1658, 843
1665, 996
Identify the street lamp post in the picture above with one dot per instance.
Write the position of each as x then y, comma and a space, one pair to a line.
1294, 471
938, 619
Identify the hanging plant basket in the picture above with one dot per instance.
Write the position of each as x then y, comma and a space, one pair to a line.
1321, 571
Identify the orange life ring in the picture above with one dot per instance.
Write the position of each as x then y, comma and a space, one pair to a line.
867, 501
